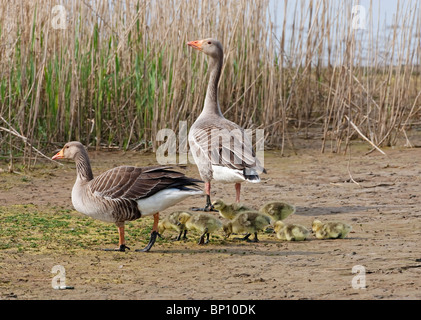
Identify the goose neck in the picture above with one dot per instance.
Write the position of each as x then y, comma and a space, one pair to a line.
83, 167
211, 101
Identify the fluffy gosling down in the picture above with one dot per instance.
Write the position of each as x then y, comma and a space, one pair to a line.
172, 222
290, 232
330, 230
249, 222
277, 210
229, 211
202, 222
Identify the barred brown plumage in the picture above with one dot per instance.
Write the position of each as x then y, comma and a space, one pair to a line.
126, 193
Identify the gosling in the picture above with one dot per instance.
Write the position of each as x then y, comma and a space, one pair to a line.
330, 230
249, 222
291, 232
277, 210
172, 222
202, 222
229, 211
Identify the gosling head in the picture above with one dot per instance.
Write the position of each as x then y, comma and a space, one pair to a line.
317, 224
278, 226
183, 218
227, 229
218, 204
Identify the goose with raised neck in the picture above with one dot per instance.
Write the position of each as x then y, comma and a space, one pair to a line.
232, 162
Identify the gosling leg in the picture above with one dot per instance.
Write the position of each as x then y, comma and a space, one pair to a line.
255, 238
179, 236
184, 236
202, 237
207, 238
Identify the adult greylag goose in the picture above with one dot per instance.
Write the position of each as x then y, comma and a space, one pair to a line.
125, 193
233, 159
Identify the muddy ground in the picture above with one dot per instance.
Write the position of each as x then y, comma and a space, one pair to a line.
383, 208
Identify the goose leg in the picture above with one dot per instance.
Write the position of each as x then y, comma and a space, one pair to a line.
154, 234
209, 206
121, 242
202, 238
185, 235
255, 238
246, 237
237, 192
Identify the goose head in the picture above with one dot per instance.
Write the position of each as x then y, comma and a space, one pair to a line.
70, 151
183, 218
278, 226
317, 224
218, 204
227, 229
209, 46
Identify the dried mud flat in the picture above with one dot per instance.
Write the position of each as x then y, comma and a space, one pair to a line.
384, 212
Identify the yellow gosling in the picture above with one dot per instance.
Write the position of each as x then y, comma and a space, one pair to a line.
202, 222
330, 230
229, 211
290, 232
249, 222
172, 222
277, 210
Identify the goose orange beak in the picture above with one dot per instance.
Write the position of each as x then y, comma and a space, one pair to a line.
59, 155
197, 44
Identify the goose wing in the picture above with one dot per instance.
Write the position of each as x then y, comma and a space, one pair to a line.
225, 144
138, 183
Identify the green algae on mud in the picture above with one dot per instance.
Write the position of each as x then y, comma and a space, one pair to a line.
31, 228
35, 229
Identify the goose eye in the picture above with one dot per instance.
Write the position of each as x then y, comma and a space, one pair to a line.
209, 42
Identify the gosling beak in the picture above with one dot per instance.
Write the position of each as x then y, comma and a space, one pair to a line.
59, 155
197, 44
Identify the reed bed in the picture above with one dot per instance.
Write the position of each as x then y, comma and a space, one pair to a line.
120, 71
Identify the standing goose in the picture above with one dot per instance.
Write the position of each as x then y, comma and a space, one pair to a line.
233, 160
125, 193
